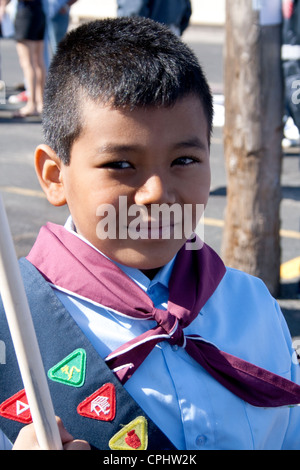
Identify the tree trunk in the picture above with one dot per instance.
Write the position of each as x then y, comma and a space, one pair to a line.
252, 143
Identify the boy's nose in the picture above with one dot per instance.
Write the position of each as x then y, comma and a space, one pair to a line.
154, 191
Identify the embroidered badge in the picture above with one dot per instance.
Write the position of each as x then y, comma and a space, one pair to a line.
70, 370
16, 408
133, 436
100, 405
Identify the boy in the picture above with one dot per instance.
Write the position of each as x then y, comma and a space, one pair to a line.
118, 306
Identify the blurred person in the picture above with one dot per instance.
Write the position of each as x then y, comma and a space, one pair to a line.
6, 29
3, 4
30, 24
173, 13
58, 19
2, 13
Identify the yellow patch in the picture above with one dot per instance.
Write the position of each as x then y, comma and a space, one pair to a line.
132, 436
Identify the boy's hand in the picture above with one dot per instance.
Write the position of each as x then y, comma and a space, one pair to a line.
27, 440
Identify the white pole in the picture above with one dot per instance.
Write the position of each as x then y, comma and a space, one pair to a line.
25, 342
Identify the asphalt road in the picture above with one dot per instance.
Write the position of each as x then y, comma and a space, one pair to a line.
28, 209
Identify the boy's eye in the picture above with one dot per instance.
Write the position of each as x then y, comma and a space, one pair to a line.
184, 161
118, 165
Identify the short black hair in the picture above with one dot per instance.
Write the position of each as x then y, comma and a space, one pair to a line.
123, 62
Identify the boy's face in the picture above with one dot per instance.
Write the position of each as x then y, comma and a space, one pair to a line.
144, 157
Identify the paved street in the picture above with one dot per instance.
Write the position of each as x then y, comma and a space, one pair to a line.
28, 209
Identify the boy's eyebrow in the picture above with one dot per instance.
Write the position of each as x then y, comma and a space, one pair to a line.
193, 142
119, 148
116, 148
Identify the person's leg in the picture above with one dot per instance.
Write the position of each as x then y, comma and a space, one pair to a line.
40, 72
25, 50
60, 24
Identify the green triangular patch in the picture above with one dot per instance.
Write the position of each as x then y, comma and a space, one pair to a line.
70, 370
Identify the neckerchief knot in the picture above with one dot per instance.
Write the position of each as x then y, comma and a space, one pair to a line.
170, 324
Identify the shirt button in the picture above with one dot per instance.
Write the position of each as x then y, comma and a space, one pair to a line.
175, 347
200, 440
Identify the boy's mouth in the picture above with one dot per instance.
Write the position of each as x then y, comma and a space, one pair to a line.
158, 222
155, 230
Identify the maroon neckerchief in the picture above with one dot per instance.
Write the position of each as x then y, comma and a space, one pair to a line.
68, 262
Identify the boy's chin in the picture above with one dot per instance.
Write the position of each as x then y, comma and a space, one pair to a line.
148, 255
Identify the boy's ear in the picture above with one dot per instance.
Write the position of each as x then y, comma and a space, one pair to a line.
48, 168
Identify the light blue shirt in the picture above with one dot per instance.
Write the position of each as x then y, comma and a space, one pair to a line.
189, 406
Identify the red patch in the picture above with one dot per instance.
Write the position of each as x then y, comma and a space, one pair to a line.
16, 408
133, 440
100, 405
